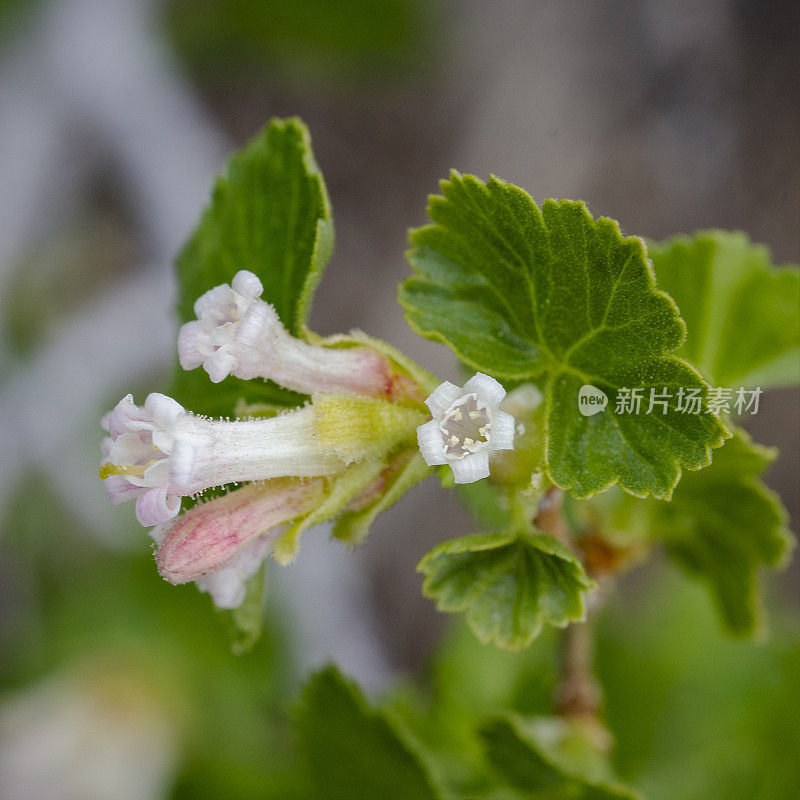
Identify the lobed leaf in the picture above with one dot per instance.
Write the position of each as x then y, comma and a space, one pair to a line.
742, 314
509, 584
554, 295
723, 524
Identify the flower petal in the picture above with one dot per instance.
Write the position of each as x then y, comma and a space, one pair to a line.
253, 322
163, 410
117, 421
471, 468
431, 444
227, 585
221, 295
502, 435
155, 506
120, 490
247, 283
488, 389
189, 337
442, 397
219, 365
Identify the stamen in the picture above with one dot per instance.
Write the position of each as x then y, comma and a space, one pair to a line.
109, 469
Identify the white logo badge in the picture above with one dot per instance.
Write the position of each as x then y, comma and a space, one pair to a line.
591, 400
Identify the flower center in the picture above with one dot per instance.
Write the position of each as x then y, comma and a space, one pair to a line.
466, 426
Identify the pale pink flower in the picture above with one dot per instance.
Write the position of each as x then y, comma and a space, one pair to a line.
205, 538
237, 333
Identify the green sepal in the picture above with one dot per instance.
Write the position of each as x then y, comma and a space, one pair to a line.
339, 490
247, 621
352, 527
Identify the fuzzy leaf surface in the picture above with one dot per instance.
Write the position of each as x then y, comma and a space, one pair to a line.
354, 751
556, 296
509, 584
742, 314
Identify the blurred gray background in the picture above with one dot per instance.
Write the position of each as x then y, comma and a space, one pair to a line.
116, 114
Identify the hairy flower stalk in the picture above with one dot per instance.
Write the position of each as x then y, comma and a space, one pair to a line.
467, 425
161, 452
237, 333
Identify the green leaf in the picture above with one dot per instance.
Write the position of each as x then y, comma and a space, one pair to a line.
508, 583
516, 755
723, 524
269, 214
557, 296
742, 314
698, 714
354, 751
195, 391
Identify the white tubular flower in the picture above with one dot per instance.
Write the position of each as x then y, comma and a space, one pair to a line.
162, 452
466, 426
237, 333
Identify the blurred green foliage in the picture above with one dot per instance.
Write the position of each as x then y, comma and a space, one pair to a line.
12, 12
694, 713
327, 40
70, 601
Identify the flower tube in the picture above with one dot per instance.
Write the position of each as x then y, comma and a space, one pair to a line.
161, 452
237, 333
